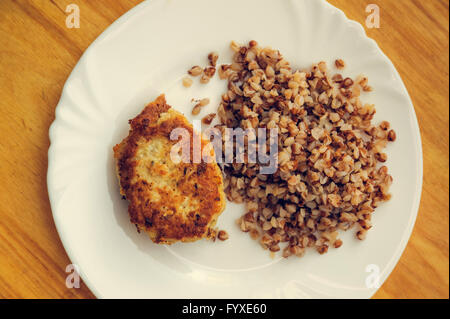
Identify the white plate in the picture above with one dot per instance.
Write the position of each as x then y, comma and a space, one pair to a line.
146, 52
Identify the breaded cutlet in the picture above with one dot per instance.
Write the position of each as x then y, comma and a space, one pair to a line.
170, 201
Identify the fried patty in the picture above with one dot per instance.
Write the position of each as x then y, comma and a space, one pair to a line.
168, 200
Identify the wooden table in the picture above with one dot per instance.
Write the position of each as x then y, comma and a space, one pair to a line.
37, 53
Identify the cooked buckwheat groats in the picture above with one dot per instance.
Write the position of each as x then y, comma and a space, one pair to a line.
330, 175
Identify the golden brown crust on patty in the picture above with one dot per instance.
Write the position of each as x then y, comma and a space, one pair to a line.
170, 201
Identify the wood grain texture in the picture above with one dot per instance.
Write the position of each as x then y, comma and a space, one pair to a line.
37, 53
